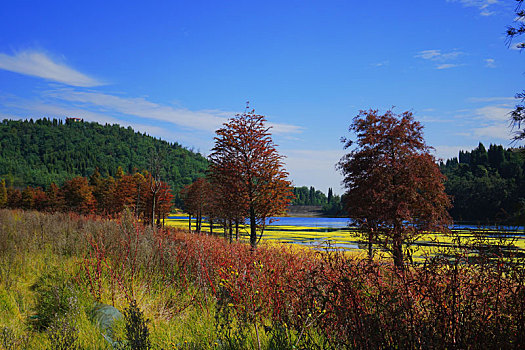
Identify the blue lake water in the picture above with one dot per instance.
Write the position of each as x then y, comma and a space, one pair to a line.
316, 222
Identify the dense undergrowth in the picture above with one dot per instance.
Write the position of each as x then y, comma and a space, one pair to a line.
188, 291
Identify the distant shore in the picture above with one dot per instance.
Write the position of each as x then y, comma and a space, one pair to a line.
311, 211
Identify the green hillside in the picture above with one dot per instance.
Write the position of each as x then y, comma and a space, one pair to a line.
40, 152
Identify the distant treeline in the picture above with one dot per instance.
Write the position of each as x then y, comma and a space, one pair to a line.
331, 204
487, 186
44, 151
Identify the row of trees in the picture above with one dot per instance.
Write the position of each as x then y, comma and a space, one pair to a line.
147, 197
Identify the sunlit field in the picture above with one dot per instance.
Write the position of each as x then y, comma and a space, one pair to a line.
348, 240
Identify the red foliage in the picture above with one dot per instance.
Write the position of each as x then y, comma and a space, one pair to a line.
247, 171
395, 190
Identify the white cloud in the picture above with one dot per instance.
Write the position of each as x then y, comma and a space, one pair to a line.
442, 59
444, 152
490, 63
285, 128
446, 66
437, 55
208, 120
205, 120
501, 131
381, 64
494, 112
481, 5
314, 168
492, 99
489, 122
38, 64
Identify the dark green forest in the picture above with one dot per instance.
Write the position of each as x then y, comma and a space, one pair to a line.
487, 186
45, 151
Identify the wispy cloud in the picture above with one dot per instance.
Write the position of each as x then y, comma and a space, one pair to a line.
437, 55
442, 59
490, 63
38, 64
484, 6
445, 152
381, 64
314, 167
208, 120
490, 121
492, 99
446, 66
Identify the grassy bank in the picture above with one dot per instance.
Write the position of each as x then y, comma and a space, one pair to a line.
201, 292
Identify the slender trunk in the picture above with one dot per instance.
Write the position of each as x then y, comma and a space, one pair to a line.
253, 228
258, 338
370, 250
137, 203
236, 230
230, 225
153, 210
189, 222
225, 227
397, 248
198, 223
211, 226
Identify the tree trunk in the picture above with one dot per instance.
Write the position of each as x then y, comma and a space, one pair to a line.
253, 228
189, 222
211, 226
397, 250
236, 230
230, 224
370, 250
153, 210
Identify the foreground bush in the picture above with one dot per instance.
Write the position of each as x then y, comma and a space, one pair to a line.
203, 292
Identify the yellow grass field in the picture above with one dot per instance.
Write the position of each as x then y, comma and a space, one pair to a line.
347, 240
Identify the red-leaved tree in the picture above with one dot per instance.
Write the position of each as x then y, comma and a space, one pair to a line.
395, 190
245, 162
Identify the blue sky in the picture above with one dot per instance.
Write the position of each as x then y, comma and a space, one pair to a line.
178, 69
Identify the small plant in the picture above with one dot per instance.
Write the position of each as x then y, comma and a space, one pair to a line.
62, 334
55, 298
137, 333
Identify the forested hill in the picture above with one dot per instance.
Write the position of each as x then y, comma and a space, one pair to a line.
40, 152
487, 186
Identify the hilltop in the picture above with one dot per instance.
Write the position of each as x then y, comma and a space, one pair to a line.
40, 152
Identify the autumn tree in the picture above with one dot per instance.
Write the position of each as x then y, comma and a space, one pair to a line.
517, 116
54, 197
245, 159
164, 202
395, 190
195, 197
126, 193
78, 195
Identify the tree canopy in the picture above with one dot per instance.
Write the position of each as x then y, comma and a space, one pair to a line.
248, 171
395, 190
